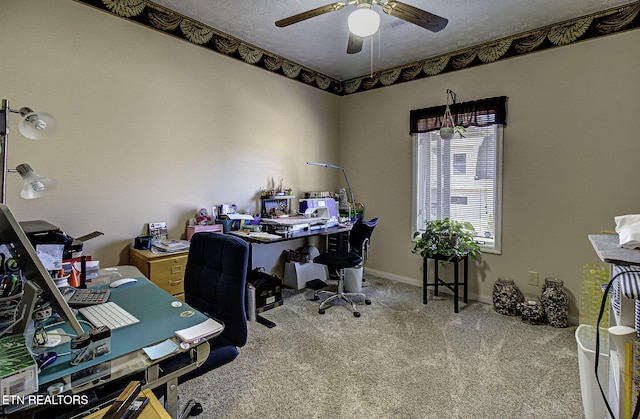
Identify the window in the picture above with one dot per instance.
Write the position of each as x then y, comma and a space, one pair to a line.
460, 178
460, 200
459, 164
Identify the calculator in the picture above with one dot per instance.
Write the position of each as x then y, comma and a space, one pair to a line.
87, 297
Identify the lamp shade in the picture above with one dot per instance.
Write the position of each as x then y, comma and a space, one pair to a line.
35, 185
37, 125
364, 21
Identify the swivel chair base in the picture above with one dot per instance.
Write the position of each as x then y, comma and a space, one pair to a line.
338, 261
340, 295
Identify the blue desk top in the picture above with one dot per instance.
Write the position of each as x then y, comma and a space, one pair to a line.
158, 321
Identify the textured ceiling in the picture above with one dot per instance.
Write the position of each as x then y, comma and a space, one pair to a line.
320, 43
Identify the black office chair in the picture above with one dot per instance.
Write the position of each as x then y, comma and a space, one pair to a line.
214, 284
355, 257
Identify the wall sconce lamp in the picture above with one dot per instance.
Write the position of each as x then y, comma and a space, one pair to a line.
35, 126
364, 21
344, 172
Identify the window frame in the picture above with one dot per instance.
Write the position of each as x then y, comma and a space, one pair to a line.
496, 246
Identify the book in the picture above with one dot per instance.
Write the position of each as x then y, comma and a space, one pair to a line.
158, 231
172, 245
201, 330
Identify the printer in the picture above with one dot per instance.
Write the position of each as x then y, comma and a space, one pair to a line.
43, 232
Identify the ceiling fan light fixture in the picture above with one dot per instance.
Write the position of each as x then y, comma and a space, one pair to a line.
364, 21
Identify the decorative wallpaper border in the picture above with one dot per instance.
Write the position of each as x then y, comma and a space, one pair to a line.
164, 20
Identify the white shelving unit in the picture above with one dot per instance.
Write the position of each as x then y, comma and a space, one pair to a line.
621, 313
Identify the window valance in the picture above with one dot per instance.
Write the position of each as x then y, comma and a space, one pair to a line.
475, 113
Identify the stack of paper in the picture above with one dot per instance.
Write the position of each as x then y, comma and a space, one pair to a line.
257, 235
172, 245
161, 349
202, 330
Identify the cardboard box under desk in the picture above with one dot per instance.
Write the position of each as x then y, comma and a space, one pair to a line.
252, 309
268, 291
264, 292
269, 306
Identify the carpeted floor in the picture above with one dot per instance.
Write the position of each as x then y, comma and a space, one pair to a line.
400, 359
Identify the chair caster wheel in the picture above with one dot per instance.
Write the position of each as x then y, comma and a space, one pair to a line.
367, 302
356, 314
321, 311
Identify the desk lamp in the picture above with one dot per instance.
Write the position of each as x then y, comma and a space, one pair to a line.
35, 126
344, 172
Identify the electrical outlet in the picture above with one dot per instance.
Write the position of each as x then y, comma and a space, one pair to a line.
532, 277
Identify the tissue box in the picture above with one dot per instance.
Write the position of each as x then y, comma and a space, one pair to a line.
297, 274
191, 230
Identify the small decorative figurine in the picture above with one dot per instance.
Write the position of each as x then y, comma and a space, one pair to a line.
203, 218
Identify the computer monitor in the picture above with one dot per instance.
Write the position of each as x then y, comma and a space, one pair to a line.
38, 281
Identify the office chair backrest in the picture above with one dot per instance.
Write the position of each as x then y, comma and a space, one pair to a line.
215, 281
360, 237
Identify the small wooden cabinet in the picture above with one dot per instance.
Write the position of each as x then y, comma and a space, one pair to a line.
166, 270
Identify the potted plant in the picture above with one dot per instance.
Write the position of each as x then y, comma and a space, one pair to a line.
447, 132
447, 239
460, 130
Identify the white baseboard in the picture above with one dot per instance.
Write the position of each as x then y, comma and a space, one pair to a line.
397, 278
418, 283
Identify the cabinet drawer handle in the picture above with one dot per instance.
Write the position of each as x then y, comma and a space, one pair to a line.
175, 282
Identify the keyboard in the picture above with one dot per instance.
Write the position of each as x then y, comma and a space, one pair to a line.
108, 314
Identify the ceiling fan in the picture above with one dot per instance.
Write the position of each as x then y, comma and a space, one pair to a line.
364, 21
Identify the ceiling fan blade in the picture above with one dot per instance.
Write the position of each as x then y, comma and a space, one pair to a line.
414, 15
309, 14
355, 44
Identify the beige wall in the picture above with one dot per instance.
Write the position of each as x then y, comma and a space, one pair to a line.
570, 158
153, 128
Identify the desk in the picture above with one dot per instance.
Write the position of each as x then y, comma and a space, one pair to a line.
257, 239
453, 286
324, 232
159, 319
